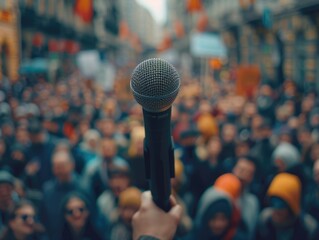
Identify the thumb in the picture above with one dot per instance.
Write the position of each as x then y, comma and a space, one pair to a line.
176, 213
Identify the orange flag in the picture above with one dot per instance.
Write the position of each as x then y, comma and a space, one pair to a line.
194, 5
84, 9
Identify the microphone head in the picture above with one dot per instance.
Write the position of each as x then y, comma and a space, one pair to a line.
155, 84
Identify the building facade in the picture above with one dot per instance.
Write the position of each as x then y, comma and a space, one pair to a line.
281, 36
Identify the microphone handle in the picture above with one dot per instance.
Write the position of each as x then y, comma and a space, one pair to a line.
159, 155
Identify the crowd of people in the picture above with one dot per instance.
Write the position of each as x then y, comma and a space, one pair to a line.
72, 166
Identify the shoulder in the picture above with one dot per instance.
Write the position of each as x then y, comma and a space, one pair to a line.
310, 224
91, 168
265, 215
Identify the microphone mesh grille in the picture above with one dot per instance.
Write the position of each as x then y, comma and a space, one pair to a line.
155, 84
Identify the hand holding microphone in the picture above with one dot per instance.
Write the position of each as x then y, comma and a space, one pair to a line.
155, 84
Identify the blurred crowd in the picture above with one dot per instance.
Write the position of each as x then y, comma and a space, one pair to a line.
72, 167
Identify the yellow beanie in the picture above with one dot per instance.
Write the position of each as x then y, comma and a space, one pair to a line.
229, 184
287, 187
130, 197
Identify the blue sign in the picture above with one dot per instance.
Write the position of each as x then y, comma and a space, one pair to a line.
207, 45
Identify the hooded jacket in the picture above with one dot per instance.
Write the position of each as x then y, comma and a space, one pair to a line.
210, 203
287, 187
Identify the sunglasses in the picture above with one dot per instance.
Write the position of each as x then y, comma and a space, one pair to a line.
70, 212
26, 217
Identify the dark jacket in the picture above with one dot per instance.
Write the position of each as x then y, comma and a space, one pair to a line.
304, 227
53, 193
208, 204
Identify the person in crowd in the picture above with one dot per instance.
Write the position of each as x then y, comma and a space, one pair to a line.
245, 170
129, 204
228, 136
80, 220
7, 197
135, 157
187, 149
183, 198
18, 160
263, 148
7, 131
64, 182
90, 146
286, 158
23, 223
310, 157
312, 194
206, 172
216, 218
4, 154
38, 169
284, 218
119, 180
152, 223
95, 176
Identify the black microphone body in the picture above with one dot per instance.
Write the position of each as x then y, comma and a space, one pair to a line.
155, 85
159, 155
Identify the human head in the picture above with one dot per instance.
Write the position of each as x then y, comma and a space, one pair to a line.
245, 169
287, 188
229, 184
129, 203
119, 179
229, 132
76, 210
108, 149
107, 127
36, 131
22, 220
62, 166
214, 147
214, 214
242, 148
91, 140
285, 156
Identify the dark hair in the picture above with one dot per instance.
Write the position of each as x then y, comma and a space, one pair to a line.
75, 194
91, 228
8, 232
22, 203
250, 158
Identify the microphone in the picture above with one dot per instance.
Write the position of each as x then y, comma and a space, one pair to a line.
155, 84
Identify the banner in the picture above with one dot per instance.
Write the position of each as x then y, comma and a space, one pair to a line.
247, 80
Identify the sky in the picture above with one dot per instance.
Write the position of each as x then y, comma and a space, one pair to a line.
156, 7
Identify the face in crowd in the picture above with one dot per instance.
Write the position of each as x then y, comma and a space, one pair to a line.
23, 220
76, 213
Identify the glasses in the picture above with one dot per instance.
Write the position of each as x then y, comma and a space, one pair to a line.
26, 217
70, 212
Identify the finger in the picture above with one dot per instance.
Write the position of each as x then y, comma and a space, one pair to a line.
146, 200
176, 212
172, 201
